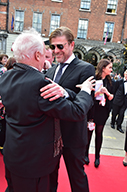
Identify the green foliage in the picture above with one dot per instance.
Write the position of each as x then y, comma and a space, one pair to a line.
90, 58
118, 67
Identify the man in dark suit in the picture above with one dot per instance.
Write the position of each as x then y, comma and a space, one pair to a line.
30, 152
119, 104
74, 134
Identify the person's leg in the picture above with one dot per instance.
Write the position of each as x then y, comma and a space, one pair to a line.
7, 190
87, 147
20, 184
125, 148
125, 145
98, 143
74, 161
2, 134
125, 159
115, 110
54, 179
89, 140
9, 180
121, 116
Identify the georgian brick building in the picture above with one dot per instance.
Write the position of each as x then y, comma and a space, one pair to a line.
3, 24
99, 27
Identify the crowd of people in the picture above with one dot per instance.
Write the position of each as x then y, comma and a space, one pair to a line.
51, 110
6, 63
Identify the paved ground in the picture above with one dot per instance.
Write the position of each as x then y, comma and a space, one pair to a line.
113, 142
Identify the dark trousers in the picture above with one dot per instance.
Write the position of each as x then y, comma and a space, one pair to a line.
2, 132
98, 140
118, 110
125, 146
20, 184
74, 161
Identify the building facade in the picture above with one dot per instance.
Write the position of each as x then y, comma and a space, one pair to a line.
3, 25
99, 27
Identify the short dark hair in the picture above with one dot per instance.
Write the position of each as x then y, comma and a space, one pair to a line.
10, 62
62, 31
3, 55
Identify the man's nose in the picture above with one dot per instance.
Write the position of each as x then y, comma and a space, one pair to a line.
56, 49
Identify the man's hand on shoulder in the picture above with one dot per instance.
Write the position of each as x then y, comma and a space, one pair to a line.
52, 91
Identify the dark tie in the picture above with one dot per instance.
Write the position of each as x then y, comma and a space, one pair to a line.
59, 73
58, 143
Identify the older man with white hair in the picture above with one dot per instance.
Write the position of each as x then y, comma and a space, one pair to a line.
32, 147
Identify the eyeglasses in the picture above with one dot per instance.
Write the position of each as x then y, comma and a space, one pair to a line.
59, 46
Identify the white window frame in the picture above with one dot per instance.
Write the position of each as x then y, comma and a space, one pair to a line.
37, 25
19, 21
87, 3
58, 1
54, 23
2, 45
82, 29
109, 26
112, 8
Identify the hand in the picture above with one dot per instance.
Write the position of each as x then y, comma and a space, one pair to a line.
104, 90
52, 91
89, 84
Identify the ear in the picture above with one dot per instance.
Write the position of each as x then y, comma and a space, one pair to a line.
72, 45
103, 69
37, 55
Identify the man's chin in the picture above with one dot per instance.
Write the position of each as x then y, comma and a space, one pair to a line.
59, 60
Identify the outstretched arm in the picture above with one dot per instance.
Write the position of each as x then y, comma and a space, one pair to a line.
53, 91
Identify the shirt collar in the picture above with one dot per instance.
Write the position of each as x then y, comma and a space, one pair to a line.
70, 59
34, 68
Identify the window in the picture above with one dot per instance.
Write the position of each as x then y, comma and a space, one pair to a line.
19, 20
59, 1
55, 22
37, 21
82, 28
85, 4
108, 31
2, 45
112, 5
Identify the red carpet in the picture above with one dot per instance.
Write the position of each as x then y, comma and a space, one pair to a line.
111, 176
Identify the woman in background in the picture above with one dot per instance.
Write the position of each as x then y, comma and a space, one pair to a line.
10, 62
101, 107
3, 59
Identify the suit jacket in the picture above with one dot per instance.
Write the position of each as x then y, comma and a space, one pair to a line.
74, 134
120, 98
28, 149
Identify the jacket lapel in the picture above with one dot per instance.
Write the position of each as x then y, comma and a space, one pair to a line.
51, 72
69, 70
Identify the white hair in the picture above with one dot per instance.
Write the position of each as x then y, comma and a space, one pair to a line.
26, 44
